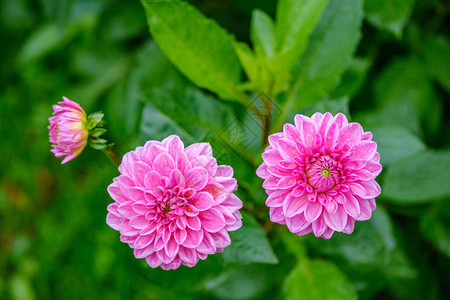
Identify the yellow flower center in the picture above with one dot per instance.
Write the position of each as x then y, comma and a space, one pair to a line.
325, 173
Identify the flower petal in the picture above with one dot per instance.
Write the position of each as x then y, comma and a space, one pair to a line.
203, 201
196, 178
212, 220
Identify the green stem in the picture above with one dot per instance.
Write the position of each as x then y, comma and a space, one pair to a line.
268, 117
244, 99
112, 156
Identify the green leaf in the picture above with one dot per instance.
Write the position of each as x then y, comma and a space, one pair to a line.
94, 119
389, 15
262, 33
249, 244
155, 125
434, 226
240, 282
317, 279
193, 110
97, 132
295, 22
418, 179
354, 78
324, 61
395, 143
42, 41
371, 256
249, 62
197, 46
405, 95
437, 59
333, 106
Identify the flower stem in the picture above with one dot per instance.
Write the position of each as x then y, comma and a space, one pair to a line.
112, 156
268, 105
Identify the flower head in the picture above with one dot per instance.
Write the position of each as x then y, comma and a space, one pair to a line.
320, 175
174, 205
68, 131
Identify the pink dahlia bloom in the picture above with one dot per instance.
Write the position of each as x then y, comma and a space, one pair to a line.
174, 205
68, 131
320, 175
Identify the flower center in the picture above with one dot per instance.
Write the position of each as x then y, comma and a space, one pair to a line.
170, 203
323, 173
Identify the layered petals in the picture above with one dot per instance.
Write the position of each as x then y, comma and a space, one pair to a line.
174, 205
67, 130
320, 175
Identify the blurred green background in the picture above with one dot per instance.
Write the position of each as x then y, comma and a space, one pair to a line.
54, 242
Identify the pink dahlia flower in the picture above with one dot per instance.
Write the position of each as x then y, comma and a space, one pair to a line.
174, 205
320, 175
68, 131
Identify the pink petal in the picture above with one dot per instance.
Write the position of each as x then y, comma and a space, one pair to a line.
351, 133
163, 164
188, 255
294, 206
277, 198
212, 220
144, 252
182, 163
291, 133
328, 233
126, 210
229, 184
221, 238
372, 189
287, 149
125, 183
152, 180
115, 193
176, 178
196, 178
366, 210
271, 157
180, 235
224, 171
207, 162
139, 170
232, 203
351, 206
319, 226
261, 172
338, 220
374, 168
171, 248
174, 145
287, 182
313, 211
277, 216
142, 241
136, 193
150, 151
203, 201
113, 221
193, 239
193, 223
365, 150
153, 260
306, 128
198, 149
297, 223
340, 120
139, 222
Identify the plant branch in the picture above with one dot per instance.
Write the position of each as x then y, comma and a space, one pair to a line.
112, 156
